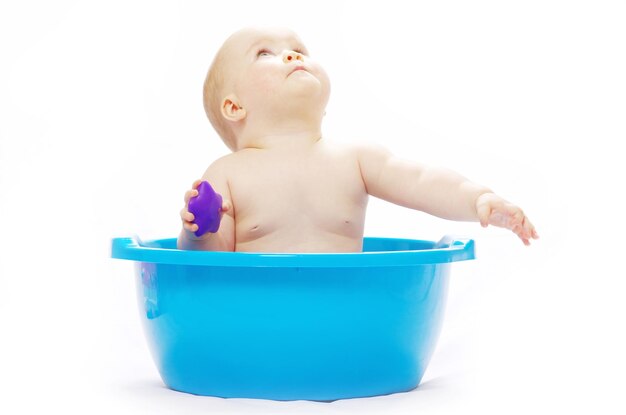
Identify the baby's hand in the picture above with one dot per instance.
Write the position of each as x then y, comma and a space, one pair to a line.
493, 210
188, 218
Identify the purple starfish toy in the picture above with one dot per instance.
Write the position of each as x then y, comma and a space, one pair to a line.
206, 209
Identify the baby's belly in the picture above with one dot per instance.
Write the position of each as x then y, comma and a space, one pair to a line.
345, 236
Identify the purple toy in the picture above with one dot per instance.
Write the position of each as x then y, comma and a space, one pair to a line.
206, 209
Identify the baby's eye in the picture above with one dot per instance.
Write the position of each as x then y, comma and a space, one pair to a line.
264, 52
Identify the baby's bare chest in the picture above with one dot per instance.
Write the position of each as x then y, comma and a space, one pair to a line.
316, 193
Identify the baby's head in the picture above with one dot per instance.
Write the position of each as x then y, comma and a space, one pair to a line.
260, 81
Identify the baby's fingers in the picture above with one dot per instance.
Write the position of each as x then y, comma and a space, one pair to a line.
193, 192
226, 206
189, 194
526, 231
191, 227
186, 215
529, 229
188, 218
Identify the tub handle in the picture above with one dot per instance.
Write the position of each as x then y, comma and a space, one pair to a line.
126, 248
462, 248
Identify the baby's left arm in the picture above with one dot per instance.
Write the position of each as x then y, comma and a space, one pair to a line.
437, 191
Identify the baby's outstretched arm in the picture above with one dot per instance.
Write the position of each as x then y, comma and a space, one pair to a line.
437, 191
224, 238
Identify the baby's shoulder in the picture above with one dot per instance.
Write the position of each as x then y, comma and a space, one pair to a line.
344, 148
235, 159
359, 148
220, 167
230, 165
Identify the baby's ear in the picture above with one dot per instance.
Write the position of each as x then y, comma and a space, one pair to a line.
232, 110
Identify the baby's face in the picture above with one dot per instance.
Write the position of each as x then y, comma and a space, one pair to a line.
272, 67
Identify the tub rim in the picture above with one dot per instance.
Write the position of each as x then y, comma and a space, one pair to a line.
447, 249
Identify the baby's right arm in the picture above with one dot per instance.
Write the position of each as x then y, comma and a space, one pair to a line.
224, 238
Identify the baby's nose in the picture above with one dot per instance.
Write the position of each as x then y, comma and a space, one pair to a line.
292, 56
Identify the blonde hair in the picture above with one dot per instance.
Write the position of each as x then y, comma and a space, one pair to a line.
213, 93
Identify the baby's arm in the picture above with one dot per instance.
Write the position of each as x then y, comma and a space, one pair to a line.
437, 191
224, 238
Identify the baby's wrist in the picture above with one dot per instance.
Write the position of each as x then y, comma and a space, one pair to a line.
482, 194
480, 197
192, 237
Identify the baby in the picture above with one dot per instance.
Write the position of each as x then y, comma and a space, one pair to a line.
287, 189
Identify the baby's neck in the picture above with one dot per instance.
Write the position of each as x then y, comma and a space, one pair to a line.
287, 141
297, 129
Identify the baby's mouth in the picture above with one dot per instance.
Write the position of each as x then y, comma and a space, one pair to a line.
298, 68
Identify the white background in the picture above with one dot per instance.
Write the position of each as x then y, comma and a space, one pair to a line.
102, 130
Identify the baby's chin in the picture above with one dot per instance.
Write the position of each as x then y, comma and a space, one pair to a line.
303, 84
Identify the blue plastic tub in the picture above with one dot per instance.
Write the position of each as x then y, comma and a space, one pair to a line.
293, 326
